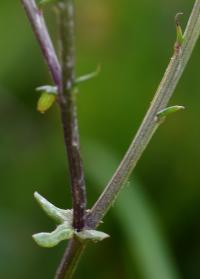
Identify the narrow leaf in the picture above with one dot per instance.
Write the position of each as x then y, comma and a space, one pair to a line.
167, 111
57, 214
179, 33
88, 76
48, 89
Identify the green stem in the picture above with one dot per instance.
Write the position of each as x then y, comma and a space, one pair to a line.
148, 127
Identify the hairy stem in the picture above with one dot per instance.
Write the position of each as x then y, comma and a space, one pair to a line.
148, 127
68, 111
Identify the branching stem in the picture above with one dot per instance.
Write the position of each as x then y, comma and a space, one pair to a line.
64, 77
148, 127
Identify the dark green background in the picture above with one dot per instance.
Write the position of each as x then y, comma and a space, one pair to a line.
155, 224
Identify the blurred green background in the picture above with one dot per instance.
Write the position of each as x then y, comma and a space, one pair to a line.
155, 224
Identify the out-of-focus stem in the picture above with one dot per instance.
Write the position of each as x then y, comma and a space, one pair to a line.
36, 19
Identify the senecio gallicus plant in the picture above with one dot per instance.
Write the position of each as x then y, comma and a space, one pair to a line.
78, 225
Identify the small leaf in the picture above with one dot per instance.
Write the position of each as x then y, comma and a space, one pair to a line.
179, 33
92, 235
48, 89
49, 240
165, 112
88, 76
45, 101
57, 214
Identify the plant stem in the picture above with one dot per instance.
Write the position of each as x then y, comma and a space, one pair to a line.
63, 78
150, 124
68, 112
70, 259
148, 127
36, 19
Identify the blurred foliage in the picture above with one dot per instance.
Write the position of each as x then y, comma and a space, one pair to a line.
155, 225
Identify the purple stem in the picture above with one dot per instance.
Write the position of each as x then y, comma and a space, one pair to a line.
36, 19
